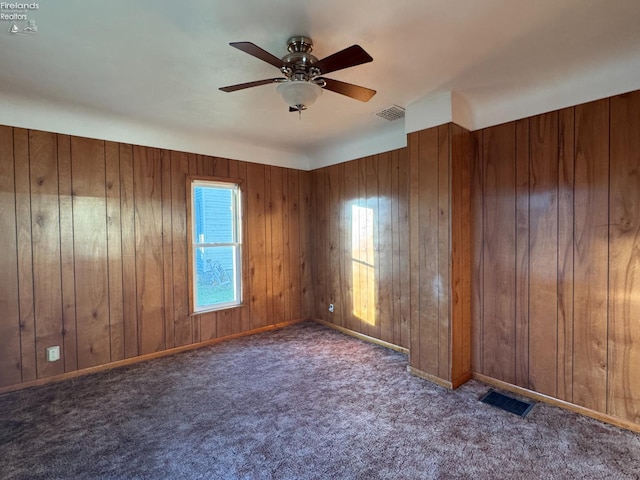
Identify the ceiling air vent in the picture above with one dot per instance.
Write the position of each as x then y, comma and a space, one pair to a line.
394, 112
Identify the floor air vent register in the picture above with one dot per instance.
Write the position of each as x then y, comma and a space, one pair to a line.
507, 403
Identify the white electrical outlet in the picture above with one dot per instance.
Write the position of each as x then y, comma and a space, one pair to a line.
53, 353
331, 307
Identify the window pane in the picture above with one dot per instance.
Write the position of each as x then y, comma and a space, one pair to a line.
215, 276
213, 214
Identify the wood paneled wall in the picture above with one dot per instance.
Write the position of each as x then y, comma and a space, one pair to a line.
94, 252
360, 232
392, 251
95, 256
556, 270
440, 253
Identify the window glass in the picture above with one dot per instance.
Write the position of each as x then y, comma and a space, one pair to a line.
216, 245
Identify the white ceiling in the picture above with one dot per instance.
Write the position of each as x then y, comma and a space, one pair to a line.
148, 72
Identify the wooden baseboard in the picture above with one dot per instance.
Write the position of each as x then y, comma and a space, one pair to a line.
603, 417
432, 378
143, 358
440, 381
362, 336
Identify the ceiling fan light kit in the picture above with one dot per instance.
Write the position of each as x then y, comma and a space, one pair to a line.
299, 94
303, 82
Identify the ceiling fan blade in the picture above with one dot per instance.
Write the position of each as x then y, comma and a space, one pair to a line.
349, 57
256, 51
354, 91
257, 83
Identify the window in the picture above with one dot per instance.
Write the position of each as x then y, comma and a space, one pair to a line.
215, 245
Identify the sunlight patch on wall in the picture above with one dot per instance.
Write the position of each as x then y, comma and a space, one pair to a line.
363, 264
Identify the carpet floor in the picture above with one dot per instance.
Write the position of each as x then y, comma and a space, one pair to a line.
304, 402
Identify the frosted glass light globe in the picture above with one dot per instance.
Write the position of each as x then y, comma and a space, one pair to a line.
299, 92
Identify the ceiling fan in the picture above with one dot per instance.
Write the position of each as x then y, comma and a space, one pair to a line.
304, 79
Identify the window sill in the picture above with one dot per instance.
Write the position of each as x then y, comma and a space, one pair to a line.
212, 310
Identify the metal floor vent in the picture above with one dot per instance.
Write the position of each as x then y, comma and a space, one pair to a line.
507, 403
394, 112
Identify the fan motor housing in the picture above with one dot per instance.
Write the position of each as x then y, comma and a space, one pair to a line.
299, 59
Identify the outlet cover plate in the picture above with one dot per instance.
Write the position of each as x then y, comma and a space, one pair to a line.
53, 353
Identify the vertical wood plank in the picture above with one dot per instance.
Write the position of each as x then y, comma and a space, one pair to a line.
245, 316
395, 253
328, 246
591, 254
25, 257
234, 167
522, 253
624, 256
67, 258
385, 247
413, 147
319, 181
364, 309
565, 254
349, 204
428, 250
268, 245
313, 257
45, 231
208, 326
221, 168
227, 321
295, 279
90, 240
256, 244
372, 243
193, 165
499, 252
443, 251
114, 250
456, 253
543, 258
460, 254
286, 247
334, 225
477, 238
276, 259
465, 152
148, 226
307, 298
343, 244
405, 249
167, 250
127, 219
183, 328
10, 361
359, 251
196, 167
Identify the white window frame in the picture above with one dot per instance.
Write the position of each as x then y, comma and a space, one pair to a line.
195, 245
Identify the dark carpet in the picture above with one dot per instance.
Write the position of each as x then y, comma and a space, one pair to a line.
299, 403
